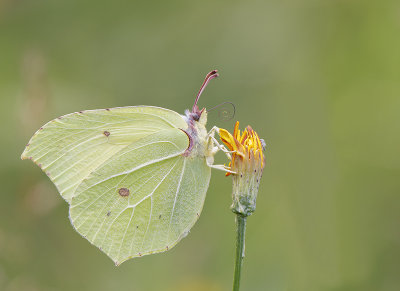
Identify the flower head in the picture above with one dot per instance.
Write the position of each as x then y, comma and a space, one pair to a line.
247, 164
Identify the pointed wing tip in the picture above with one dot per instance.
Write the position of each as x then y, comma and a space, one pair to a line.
24, 156
121, 260
118, 262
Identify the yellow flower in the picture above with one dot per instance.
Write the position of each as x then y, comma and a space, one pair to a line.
247, 147
247, 164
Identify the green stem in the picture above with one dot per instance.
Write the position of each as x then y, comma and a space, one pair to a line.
241, 230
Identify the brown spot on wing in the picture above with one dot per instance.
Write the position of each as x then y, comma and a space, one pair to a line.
123, 192
106, 133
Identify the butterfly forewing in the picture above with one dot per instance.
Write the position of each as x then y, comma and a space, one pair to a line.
71, 147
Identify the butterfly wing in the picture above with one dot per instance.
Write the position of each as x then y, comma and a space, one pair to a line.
144, 200
131, 190
70, 147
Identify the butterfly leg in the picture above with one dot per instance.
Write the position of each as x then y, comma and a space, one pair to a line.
217, 145
222, 168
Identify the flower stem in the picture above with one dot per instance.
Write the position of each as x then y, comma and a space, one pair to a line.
240, 237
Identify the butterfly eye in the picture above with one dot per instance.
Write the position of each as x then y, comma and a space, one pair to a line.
196, 116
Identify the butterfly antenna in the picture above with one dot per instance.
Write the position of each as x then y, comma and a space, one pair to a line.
227, 110
211, 75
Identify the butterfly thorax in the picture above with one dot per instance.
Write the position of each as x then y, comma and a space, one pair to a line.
199, 145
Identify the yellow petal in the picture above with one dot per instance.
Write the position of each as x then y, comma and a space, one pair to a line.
240, 149
236, 130
244, 137
227, 139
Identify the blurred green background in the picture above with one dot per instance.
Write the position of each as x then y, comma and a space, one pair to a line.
318, 80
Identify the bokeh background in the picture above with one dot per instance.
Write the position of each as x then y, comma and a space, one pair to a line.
318, 80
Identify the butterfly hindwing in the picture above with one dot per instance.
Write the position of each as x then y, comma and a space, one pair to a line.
143, 200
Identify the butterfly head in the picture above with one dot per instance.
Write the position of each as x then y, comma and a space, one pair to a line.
196, 116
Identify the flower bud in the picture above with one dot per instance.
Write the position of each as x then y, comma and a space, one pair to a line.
247, 164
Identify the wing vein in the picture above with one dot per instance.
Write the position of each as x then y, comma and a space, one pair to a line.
176, 196
114, 203
150, 195
135, 169
126, 230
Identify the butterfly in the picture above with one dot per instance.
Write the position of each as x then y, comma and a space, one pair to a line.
135, 177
